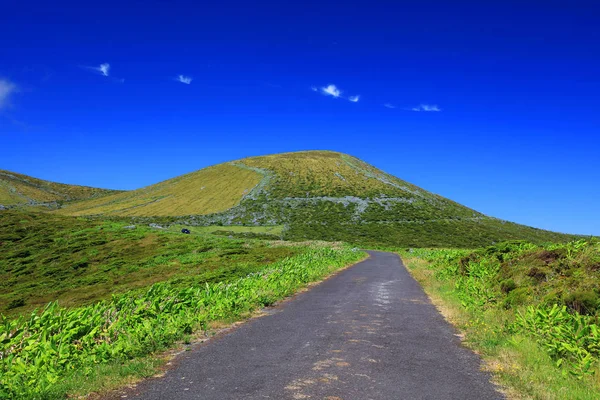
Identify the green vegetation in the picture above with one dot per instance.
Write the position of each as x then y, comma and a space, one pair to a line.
315, 195
209, 190
275, 230
47, 257
19, 190
450, 232
40, 351
531, 311
327, 173
129, 283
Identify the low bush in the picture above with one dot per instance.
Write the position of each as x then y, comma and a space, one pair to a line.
507, 286
582, 301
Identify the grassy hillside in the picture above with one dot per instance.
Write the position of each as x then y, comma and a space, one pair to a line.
327, 173
315, 195
209, 190
17, 189
531, 311
47, 257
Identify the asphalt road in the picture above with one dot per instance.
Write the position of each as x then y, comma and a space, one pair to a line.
367, 333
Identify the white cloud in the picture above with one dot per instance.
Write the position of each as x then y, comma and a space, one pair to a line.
184, 79
7, 88
104, 69
331, 90
388, 105
426, 107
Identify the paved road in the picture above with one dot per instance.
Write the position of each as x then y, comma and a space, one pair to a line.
367, 333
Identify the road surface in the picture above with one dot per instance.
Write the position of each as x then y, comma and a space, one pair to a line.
369, 332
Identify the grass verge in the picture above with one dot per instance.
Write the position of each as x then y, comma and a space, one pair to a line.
537, 342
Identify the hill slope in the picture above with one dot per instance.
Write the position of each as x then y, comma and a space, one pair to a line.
210, 190
18, 189
316, 195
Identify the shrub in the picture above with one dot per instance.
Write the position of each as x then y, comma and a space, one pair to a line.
583, 302
20, 302
516, 297
508, 286
537, 274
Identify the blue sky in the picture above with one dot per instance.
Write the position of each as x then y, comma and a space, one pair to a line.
492, 104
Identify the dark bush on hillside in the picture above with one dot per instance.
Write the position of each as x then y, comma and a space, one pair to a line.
549, 257
508, 286
583, 302
16, 303
83, 263
537, 273
516, 297
10, 237
24, 253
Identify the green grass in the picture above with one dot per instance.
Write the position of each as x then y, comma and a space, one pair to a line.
46, 257
268, 230
328, 173
531, 311
102, 378
19, 190
209, 190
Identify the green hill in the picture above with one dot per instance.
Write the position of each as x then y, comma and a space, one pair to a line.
210, 190
315, 195
22, 190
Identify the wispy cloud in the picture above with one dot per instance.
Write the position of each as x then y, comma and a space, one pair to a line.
388, 105
103, 69
7, 89
426, 107
184, 79
333, 91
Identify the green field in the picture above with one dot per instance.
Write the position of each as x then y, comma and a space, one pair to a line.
530, 311
48, 257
